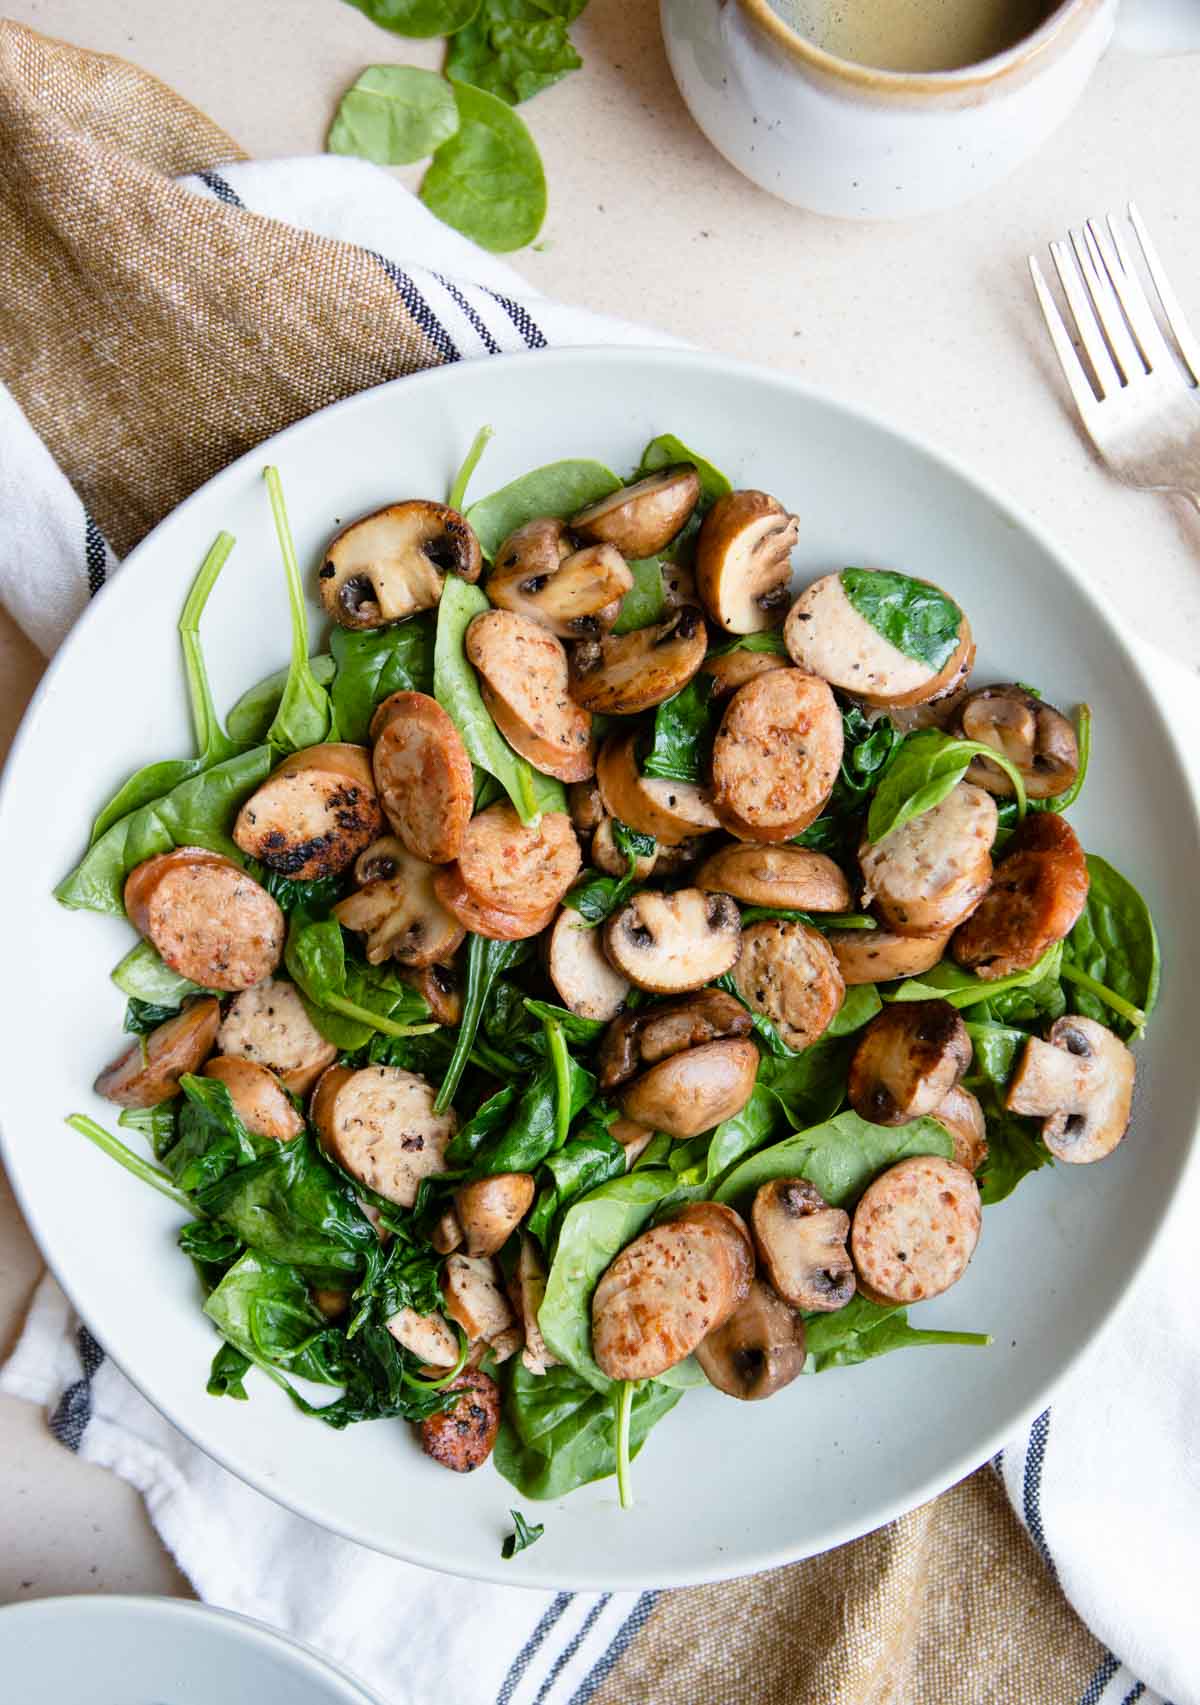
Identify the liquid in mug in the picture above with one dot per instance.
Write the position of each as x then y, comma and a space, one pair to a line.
914, 35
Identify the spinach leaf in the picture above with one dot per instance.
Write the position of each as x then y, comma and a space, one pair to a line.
581, 1031
949, 982
142, 976
840, 1157
211, 1139
347, 1000
229, 1368
810, 1086
212, 1248
866, 1329
462, 479
556, 1431
254, 712
487, 179
558, 488
419, 17
684, 726
814, 920
646, 600
373, 663
1015, 1146
860, 1005
116, 1150
538, 1122
521, 1537
303, 717
515, 48
265, 1309
596, 897
472, 1137
915, 617
768, 640
926, 767
588, 1160
212, 745
289, 895
745, 1133
393, 114
667, 451
197, 812
156, 1124
867, 749
1114, 946
457, 691
486, 962
141, 1017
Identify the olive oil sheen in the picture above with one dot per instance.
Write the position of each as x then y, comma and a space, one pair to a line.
914, 35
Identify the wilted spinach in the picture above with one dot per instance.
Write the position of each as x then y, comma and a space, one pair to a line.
521, 1537
1015, 1146
646, 600
253, 714
143, 977
141, 1017
587, 1160
487, 961
915, 617
134, 1163
684, 726
863, 1330
393, 114
558, 488
346, 999
487, 179
950, 982
595, 896
534, 1128
210, 1139
1111, 958
373, 663
928, 766
419, 17
840, 1157
291, 896
462, 479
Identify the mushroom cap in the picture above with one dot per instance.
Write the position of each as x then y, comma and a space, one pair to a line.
758, 1350
1080, 1081
908, 1059
607, 856
587, 984
489, 1209
642, 518
787, 877
393, 563
399, 913
1033, 735
638, 1039
669, 943
693, 1091
576, 594
438, 987
744, 561
801, 1244
623, 674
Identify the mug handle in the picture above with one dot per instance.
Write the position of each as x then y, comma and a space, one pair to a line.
1158, 26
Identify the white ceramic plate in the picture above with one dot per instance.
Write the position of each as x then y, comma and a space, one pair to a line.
721, 1488
158, 1651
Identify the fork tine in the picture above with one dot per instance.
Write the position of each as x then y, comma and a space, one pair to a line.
1176, 319
1104, 300
1134, 300
1090, 335
1073, 373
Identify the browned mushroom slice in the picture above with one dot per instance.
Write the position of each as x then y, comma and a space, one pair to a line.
1080, 1082
576, 594
929, 874
314, 814
635, 1139
672, 811
607, 855
801, 1244
490, 1209
962, 1116
732, 669
915, 1229
744, 561
392, 564
1037, 894
638, 1039
642, 518
787, 972
679, 586
399, 913
631, 672
585, 806
1030, 733
670, 861
526, 1289
587, 984
669, 943
438, 987
908, 1059
523, 679
447, 1234
789, 878
758, 1350
258, 1098
827, 636
880, 956
776, 756
149, 1069
693, 1091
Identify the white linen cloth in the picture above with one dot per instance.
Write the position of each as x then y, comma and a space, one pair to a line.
1107, 1483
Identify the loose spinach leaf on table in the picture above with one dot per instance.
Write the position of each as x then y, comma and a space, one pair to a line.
419, 17
393, 114
372, 664
916, 618
950, 982
348, 1000
558, 488
840, 1157
487, 961
522, 1536
515, 48
253, 714
1113, 948
684, 726
487, 179
304, 717
925, 768
863, 1330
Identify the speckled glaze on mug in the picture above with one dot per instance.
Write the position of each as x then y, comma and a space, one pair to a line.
857, 143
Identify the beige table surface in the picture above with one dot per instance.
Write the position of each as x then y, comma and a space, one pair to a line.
932, 324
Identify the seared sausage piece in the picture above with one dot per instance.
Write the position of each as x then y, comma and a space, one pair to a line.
258, 1098
149, 1069
668, 1289
879, 955
1039, 890
423, 774
207, 919
523, 680
790, 878
494, 922
915, 1229
927, 876
825, 634
268, 1024
787, 972
462, 1438
380, 1124
517, 867
776, 756
314, 815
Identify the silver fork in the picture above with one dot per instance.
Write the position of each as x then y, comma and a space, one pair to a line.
1145, 422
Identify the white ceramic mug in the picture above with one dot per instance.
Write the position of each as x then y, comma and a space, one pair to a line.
856, 143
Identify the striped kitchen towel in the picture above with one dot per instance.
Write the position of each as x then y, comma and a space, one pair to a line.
166, 305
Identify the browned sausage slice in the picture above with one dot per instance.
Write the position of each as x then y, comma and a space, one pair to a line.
670, 1288
491, 921
314, 815
523, 670
733, 669
207, 919
149, 1070
516, 866
791, 878
879, 955
1039, 890
268, 1024
380, 1124
462, 1438
915, 1229
787, 971
586, 982
827, 635
671, 811
930, 874
776, 756
423, 774
258, 1098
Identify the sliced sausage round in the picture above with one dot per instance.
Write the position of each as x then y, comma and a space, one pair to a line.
962, 1116
515, 866
314, 814
461, 1438
927, 876
1037, 894
790, 878
268, 1024
776, 756
880, 955
915, 1229
671, 811
669, 1289
380, 1124
207, 919
788, 972
424, 775
523, 679
587, 984
258, 1098
826, 635
149, 1069
491, 921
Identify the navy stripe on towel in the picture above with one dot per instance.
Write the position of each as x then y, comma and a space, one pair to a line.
1134, 1694
485, 336
74, 1410
1104, 1674
419, 308
222, 190
95, 555
1035, 1457
530, 1649
628, 1631
532, 334
573, 1645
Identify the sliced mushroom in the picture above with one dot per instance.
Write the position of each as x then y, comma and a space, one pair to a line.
827, 636
787, 972
880, 956
587, 984
679, 586
438, 988
785, 877
474, 1296
490, 1209
635, 1139
801, 1244
258, 1097
1037, 894
631, 672
776, 756
758, 1350
639, 1039
426, 1336
585, 806
744, 561
668, 943
399, 913
314, 814
733, 669
393, 564
515, 866
1030, 733
671, 860
929, 874
672, 811
523, 679
447, 1234
576, 594
641, 519
149, 1069
607, 856
908, 1059
526, 1289
424, 776
693, 1091
962, 1116
1080, 1082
